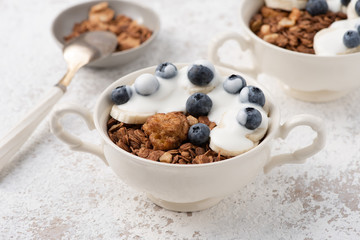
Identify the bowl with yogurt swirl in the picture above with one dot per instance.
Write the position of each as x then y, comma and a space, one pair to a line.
166, 100
311, 49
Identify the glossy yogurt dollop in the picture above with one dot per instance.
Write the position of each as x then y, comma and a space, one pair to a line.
330, 41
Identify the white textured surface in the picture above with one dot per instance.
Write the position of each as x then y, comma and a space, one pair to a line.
49, 192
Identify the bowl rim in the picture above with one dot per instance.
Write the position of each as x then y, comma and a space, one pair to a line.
154, 34
274, 120
246, 28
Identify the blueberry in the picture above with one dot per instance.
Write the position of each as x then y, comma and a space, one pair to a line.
198, 104
357, 7
146, 84
345, 2
166, 70
249, 117
201, 73
234, 83
121, 94
252, 94
199, 134
351, 39
317, 7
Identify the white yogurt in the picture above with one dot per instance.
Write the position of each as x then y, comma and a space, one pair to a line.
231, 136
329, 41
171, 95
222, 102
350, 12
347, 23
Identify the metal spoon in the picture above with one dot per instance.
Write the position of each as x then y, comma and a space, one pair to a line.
86, 48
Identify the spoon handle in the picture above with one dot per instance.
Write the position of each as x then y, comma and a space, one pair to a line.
17, 136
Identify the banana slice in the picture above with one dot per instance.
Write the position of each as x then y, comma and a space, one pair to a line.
128, 116
196, 89
287, 5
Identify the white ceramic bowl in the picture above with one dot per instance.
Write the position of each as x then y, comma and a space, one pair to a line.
306, 77
186, 187
64, 22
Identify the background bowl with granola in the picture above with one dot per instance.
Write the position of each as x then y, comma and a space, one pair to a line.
135, 26
281, 47
174, 182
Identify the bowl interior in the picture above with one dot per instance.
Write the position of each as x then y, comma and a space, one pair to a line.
64, 22
104, 104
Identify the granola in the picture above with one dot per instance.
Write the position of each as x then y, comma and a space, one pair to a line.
134, 139
293, 30
129, 33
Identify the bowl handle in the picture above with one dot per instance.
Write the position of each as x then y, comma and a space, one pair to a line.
75, 143
245, 44
300, 155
